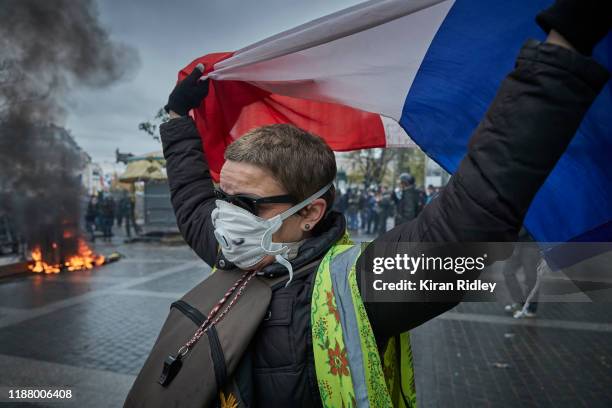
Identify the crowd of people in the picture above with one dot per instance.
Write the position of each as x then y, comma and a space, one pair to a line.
376, 209
104, 211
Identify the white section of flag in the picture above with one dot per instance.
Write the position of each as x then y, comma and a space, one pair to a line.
395, 136
365, 57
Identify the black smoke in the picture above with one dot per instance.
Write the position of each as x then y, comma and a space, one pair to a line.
47, 49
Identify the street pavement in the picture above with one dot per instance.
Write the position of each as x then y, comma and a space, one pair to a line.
91, 331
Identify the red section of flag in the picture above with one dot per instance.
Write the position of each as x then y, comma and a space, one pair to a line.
233, 107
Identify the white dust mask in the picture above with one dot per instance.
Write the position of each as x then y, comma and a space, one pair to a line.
245, 238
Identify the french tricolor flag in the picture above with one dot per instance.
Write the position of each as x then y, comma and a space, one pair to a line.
430, 66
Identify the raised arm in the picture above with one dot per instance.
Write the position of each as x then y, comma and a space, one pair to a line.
528, 126
191, 187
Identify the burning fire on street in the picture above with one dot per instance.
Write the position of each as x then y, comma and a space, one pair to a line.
41, 164
83, 259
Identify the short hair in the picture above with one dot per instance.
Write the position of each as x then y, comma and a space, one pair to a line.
301, 161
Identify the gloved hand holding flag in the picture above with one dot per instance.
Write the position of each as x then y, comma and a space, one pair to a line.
433, 67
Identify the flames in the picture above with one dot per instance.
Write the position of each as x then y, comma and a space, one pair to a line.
38, 265
85, 258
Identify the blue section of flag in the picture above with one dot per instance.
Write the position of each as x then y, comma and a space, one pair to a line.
472, 52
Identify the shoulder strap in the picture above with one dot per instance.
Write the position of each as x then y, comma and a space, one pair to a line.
277, 282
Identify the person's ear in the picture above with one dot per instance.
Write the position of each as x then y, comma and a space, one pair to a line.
312, 214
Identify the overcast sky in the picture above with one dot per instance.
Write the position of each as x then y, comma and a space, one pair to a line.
168, 35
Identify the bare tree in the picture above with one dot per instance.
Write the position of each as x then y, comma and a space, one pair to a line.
151, 127
372, 164
411, 160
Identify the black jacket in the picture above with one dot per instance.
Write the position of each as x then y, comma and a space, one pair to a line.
528, 126
408, 205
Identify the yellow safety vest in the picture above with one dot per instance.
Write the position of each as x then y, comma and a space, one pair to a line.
350, 370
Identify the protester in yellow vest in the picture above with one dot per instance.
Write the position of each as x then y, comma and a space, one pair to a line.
321, 344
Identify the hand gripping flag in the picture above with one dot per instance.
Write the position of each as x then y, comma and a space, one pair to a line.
433, 67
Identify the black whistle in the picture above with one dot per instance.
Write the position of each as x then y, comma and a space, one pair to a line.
172, 365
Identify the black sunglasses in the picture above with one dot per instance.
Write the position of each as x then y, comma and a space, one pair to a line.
252, 203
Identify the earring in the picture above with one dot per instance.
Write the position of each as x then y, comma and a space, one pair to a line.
307, 227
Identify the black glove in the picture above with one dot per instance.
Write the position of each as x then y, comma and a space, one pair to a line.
188, 93
581, 22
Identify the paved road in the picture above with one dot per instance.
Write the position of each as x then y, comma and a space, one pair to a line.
91, 331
